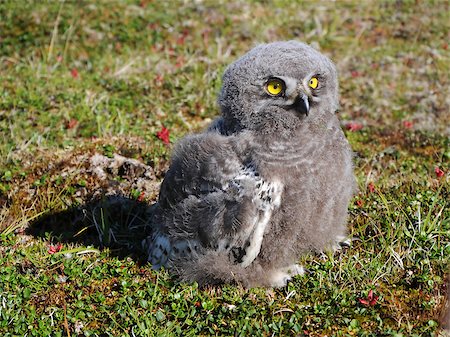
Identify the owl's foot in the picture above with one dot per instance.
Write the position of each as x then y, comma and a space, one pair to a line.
341, 242
281, 277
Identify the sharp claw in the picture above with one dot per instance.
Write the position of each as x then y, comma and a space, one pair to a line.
287, 280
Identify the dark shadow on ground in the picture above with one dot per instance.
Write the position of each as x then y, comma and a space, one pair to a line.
116, 222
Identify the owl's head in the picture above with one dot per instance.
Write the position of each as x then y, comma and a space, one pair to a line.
278, 87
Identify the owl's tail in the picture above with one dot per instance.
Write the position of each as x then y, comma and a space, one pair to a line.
214, 268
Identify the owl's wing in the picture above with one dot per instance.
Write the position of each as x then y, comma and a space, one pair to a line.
211, 199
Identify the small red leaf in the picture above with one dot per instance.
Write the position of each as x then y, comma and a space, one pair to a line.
141, 196
373, 301
71, 124
370, 300
354, 126
359, 203
408, 124
363, 301
371, 187
355, 73
54, 249
439, 172
74, 73
164, 135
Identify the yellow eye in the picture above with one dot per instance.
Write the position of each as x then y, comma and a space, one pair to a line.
275, 87
313, 82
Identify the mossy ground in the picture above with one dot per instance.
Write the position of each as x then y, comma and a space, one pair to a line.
100, 79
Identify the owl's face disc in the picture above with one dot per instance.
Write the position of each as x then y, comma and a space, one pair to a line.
278, 87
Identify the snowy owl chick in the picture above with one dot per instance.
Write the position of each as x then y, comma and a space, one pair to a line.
268, 181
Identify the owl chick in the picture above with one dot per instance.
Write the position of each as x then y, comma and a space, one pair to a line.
268, 181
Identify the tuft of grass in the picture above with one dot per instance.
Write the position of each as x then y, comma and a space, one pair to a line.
84, 91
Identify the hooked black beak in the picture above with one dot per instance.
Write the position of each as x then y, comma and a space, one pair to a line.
301, 104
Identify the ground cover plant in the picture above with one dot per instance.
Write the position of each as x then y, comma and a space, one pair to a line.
94, 94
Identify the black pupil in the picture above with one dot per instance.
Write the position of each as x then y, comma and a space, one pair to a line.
275, 86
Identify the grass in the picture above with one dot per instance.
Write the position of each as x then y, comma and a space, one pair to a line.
86, 87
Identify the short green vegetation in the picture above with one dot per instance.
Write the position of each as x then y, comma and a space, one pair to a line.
92, 96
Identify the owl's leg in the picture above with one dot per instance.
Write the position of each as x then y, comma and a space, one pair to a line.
159, 249
280, 277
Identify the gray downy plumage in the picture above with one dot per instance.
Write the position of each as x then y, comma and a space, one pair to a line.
268, 181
